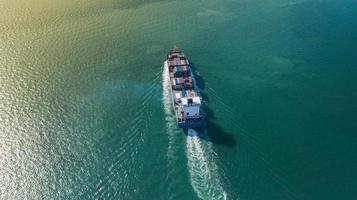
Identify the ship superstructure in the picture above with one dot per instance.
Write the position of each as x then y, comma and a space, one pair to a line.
186, 99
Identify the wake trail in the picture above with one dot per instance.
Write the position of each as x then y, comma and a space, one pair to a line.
171, 131
169, 114
204, 174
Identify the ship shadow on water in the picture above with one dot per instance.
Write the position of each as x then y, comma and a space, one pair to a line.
212, 131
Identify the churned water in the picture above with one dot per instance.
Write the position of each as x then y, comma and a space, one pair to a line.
85, 111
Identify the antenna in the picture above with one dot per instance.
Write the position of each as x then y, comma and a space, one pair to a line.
176, 48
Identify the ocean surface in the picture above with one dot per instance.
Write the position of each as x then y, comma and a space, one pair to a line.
85, 111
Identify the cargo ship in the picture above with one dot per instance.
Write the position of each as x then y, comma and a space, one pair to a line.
185, 95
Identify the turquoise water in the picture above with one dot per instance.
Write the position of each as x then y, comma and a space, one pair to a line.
85, 114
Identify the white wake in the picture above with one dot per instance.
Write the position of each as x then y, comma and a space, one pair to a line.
172, 134
203, 170
169, 114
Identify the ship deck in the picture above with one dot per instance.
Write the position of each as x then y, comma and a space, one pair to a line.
183, 86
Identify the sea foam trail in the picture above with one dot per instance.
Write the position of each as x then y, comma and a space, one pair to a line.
202, 167
203, 170
171, 131
169, 114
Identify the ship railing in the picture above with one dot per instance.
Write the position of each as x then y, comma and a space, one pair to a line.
194, 117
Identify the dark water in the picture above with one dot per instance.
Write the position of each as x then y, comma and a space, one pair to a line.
84, 111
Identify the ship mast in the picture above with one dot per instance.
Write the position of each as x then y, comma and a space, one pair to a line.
176, 49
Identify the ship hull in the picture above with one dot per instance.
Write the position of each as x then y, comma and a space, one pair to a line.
187, 123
